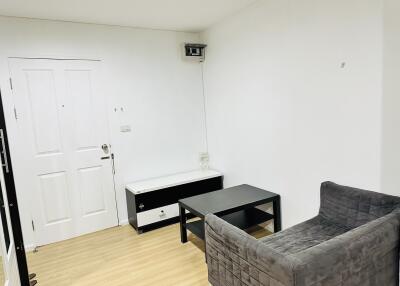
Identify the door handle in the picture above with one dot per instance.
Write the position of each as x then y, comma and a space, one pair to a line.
105, 158
3, 151
105, 148
162, 214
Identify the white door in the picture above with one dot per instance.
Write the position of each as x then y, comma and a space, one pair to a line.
9, 274
63, 125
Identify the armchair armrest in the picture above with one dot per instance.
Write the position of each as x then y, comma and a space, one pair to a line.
236, 258
367, 255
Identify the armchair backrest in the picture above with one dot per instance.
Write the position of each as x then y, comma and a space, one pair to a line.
352, 207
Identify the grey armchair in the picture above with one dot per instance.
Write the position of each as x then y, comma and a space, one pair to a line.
354, 241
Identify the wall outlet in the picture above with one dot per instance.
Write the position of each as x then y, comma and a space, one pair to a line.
204, 159
125, 128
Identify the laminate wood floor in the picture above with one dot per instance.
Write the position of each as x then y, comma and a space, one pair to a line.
119, 256
2, 277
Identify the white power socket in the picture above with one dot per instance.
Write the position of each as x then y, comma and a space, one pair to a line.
204, 159
125, 128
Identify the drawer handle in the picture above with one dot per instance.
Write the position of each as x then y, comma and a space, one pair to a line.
141, 206
162, 214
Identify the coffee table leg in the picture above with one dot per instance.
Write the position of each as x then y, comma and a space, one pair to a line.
277, 215
182, 216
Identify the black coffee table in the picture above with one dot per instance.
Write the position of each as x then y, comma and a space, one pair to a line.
236, 205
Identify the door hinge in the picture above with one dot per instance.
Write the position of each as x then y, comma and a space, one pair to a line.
33, 226
11, 84
15, 113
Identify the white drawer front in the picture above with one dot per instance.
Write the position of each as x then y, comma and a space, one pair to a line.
156, 215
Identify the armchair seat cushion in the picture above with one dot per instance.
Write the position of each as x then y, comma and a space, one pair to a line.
304, 235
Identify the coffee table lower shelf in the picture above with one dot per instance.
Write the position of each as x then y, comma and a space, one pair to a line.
242, 219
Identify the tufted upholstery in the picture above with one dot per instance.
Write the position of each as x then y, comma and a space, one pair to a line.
351, 207
303, 236
354, 241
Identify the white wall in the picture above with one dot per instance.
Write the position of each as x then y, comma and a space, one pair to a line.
282, 113
160, 93
391, 98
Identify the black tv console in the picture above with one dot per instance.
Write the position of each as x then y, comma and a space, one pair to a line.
154, 203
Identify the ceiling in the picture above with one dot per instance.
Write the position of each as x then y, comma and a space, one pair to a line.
177, 15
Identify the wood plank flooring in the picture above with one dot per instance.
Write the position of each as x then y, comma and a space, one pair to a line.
118, 256
2, 277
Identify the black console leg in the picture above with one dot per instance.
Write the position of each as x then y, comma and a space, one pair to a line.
277, 215
182, 217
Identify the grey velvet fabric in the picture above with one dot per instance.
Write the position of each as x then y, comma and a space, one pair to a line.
351, 207
304, 235
354, 241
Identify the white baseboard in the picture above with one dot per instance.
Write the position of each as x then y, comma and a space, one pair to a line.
29, 248
270, 227
124, 222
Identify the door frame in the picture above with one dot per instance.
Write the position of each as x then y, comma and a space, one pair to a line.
13, 209
9, 261
12, 115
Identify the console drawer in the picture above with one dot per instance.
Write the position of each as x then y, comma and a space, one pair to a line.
157, 215
168, 196
156, 199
